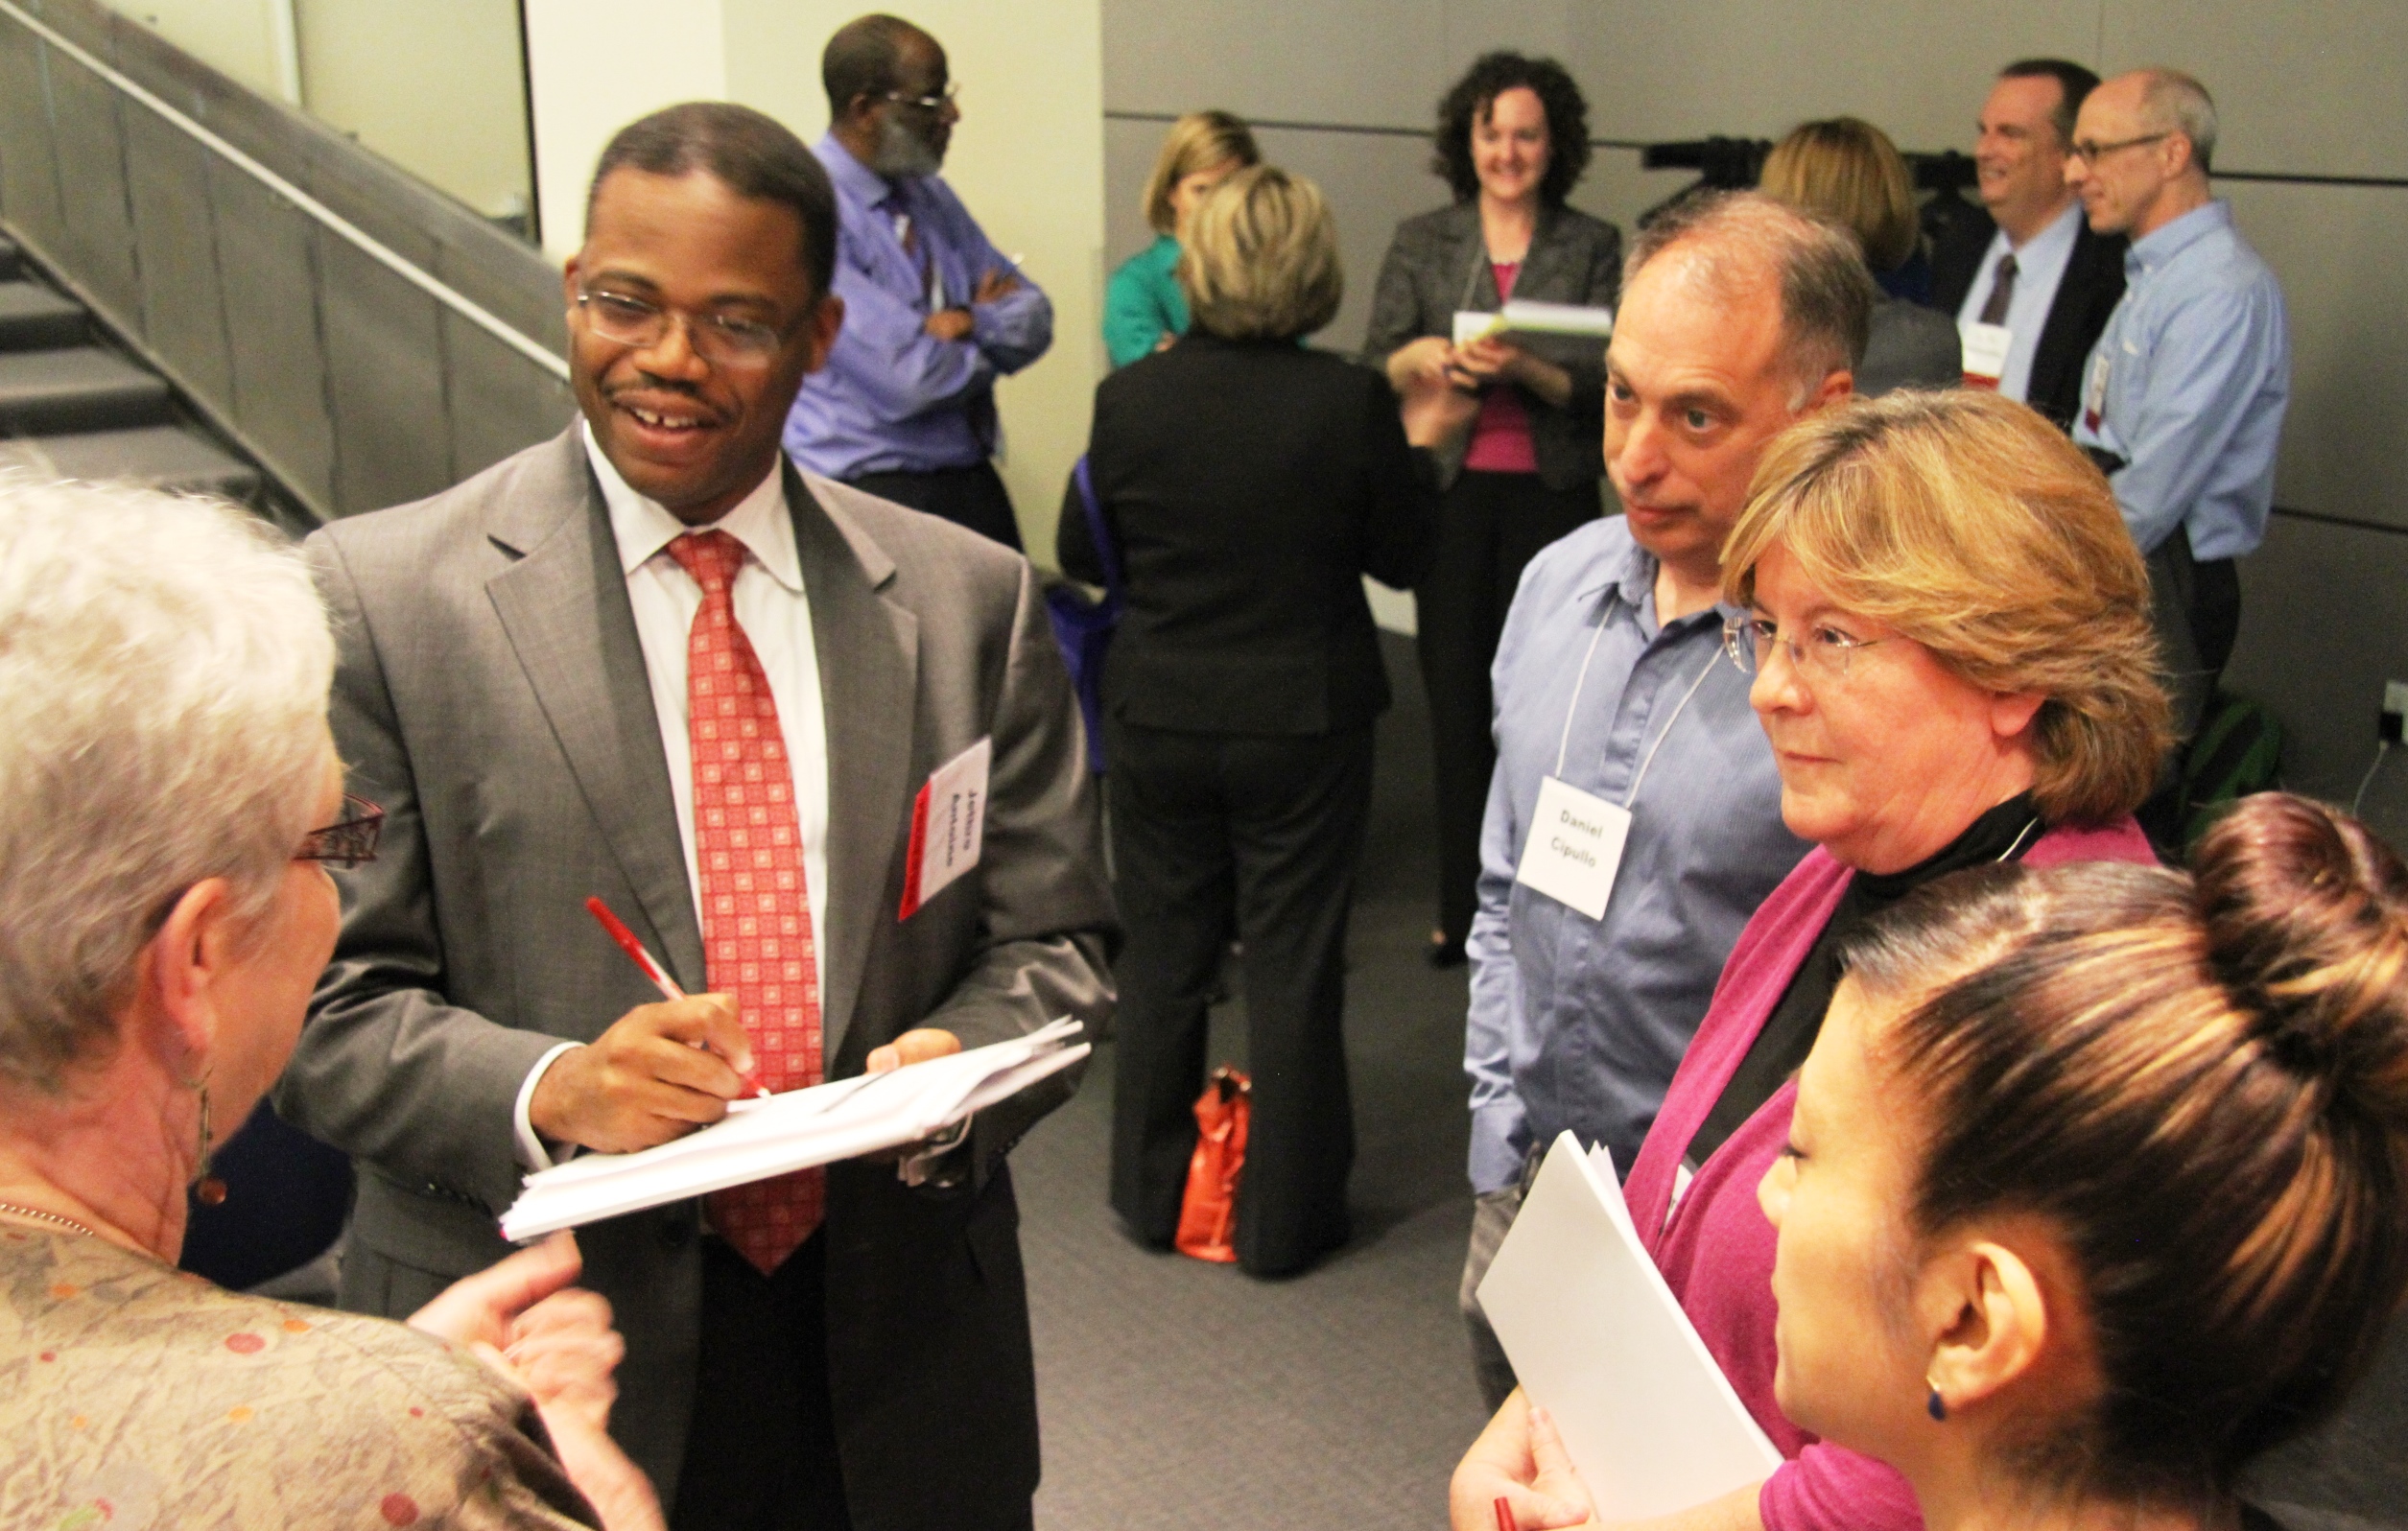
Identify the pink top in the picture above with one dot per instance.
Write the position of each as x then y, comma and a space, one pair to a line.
1501, 435
1716, 1250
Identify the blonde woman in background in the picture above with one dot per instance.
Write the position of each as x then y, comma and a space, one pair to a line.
1848, 170
1144, 309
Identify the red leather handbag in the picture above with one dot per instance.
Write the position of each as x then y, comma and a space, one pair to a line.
1209, 1215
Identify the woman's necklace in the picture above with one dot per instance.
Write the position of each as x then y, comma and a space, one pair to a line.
41, 1216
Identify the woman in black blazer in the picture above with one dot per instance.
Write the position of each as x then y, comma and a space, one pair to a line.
1527, 420
1250, 485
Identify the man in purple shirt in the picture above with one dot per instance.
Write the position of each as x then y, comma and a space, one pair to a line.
933, 313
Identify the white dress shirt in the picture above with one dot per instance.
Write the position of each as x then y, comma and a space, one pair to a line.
774, 612
2039, 266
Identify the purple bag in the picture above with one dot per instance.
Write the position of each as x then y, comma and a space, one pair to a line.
1083, 627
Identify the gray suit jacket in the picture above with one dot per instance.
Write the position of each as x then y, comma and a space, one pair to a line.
491, 694
1436, 265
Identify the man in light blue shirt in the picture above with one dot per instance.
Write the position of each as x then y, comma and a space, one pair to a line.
1613, 693
2183, 395
933, 313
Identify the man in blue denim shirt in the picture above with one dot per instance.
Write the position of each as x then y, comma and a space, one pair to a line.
933, 313
1613, 693
2183, 395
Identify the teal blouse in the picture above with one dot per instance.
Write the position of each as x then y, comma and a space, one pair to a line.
1143, 303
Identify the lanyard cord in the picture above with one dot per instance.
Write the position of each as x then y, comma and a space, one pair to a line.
1563, 745
2029, 826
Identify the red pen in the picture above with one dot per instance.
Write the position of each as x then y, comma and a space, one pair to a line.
634, 949
1505, 1515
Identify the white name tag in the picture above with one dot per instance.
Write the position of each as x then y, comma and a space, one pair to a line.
2094, 396
1574, 847
1985, 352
948, 826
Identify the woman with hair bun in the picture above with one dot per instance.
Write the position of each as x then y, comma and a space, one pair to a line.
2097, 1181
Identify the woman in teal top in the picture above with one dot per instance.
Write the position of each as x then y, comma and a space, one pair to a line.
1144, 309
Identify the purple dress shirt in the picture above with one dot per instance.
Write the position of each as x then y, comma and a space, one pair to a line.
894, 398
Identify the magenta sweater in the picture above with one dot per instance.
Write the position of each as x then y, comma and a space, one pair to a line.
1716, 1249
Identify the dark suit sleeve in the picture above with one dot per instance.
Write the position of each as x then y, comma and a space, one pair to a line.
1396, 312
386, 1070
1402, 532
1047, 921
1073, 548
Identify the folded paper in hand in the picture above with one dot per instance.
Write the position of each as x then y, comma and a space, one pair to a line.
796, 1130
1599, 1339
1530, 316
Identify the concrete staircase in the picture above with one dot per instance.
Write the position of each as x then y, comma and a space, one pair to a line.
71, 408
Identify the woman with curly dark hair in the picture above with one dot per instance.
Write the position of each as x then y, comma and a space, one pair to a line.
1524, 420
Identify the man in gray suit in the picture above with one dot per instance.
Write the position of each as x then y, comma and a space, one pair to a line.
534, 667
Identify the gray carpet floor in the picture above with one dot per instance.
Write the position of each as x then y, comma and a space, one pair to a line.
1175, 1393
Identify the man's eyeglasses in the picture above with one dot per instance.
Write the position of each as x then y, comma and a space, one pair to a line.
2088, 152
933, 106
718, 340
1824, 653
349, 841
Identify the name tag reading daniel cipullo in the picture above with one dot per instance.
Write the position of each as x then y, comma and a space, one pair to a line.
1575, 848
948, 826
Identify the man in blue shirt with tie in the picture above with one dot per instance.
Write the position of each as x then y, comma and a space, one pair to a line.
1616, 705
2183, 395
933, 313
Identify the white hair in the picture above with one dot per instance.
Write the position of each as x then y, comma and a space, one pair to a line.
164, 668
2176, 102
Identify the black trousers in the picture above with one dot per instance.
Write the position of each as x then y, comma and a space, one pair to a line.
973, 497
761, 1453
1260, 834
2195, 608
1490, 526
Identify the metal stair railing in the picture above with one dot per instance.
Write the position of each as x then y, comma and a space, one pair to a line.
366, 339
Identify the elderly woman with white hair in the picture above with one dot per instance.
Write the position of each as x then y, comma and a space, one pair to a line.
170, 801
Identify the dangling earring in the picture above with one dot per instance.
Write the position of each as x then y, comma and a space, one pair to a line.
1934, 1406
209, 1188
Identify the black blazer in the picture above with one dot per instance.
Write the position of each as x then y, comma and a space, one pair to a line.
2093, 284
1436, 265
1250, 485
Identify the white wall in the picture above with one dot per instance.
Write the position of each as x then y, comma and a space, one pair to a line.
1028, 157
2300, 90
434, 87
249, 40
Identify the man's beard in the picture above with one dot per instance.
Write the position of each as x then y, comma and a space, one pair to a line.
903, 151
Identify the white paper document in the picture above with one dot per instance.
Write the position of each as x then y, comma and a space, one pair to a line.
1530, 316
1599, 1339
796, 1130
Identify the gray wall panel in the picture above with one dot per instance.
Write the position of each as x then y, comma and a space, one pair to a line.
29, 171
2300, 88
2336, 249
1375, 61
497, 403
271, 320
2320, 631
385, 381
183, 316
99, 247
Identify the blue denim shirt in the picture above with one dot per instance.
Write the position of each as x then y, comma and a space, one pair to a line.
1578, 1022
893, 398
2198, 371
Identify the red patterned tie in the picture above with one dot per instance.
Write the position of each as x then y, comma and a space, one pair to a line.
757, 941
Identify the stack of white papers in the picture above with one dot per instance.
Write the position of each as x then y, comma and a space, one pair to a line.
1530, 316
1599, 1339
798, 1129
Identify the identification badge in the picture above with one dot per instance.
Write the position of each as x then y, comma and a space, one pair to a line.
1985, 353
948, 826
1575, 848
2094, 394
